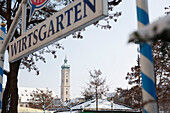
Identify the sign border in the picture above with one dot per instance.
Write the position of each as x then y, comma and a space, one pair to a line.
104, 14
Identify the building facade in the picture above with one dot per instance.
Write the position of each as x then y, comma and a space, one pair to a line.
65, 81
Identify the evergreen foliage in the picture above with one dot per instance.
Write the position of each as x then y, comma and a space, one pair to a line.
133, 96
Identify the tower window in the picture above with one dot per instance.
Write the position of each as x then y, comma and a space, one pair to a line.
66, 80
66, 92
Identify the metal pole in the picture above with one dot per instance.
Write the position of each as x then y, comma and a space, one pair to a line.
70, 109
68, 2
146, 61
2, 36
24, 13
44, 107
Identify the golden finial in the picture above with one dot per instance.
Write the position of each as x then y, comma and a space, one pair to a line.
3, 24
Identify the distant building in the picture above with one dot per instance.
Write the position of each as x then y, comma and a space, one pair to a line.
25, 96
65, 81
112, 96
57, 102
77, 100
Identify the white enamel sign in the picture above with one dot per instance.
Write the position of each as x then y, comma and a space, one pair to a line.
72, 18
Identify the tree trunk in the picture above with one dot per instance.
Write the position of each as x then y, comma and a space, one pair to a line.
7, 91
14, 87
6, 97
10, 97
96, 99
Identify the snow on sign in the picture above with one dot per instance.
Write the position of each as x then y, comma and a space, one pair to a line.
36, 5
76, 16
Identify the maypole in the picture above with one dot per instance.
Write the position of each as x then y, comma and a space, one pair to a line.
146, 61
2, 36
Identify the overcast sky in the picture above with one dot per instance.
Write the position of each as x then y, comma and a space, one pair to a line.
106, 50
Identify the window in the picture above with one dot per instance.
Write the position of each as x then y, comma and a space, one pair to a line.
66, 74
66, 92
66, 80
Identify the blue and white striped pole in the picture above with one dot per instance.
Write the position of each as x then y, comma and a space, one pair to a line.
146, 61
2, 36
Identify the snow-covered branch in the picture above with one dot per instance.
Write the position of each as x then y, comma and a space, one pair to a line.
159, 29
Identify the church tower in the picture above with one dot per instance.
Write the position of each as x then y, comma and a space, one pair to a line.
65, 81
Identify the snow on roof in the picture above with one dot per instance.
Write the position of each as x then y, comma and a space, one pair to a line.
103, 103
111, 94
25, 93
85, 104
74, 100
